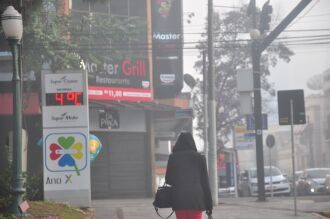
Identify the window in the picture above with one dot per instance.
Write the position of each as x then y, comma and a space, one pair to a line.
119, 7
101, 7
137, 8
318, 173
80, 5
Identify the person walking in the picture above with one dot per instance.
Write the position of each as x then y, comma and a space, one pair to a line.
187, 174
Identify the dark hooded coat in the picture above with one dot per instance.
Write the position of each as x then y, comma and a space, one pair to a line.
187, 174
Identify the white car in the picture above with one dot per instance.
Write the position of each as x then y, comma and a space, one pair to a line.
275, 182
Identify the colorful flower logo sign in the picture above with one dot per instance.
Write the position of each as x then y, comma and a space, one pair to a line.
94, 143
95, 146
66, 152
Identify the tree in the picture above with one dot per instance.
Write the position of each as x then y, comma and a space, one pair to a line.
232, 51
64, 40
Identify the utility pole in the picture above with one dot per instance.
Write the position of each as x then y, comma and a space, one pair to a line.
256, 54
206, 122
212, 158
258, 46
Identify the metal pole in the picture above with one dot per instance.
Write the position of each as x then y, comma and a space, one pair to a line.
206, 145
235, 172
18, 180
284, 23
293, 160
270, 172
257, 111
211, 110
258, 121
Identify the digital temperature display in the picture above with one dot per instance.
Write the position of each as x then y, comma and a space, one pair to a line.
65, 99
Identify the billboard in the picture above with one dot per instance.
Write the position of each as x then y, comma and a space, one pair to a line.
167, 41
243, 138
127, 80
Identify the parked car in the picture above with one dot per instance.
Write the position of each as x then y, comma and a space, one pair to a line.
290, 179
312, 181
275, 182
327, 185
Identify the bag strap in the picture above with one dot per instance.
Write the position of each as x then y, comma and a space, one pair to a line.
156, 209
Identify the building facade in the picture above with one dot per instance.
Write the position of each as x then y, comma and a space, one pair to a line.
129, 129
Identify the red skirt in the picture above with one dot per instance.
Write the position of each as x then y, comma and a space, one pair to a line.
188, 214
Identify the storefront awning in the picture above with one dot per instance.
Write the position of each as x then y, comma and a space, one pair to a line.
179, 103
150, 106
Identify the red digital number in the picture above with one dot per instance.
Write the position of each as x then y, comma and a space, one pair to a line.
64, 99
76, 99
70, 96
59, 98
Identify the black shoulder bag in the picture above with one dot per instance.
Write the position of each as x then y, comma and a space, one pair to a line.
163, 199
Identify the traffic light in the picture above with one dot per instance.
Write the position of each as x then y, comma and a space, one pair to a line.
265, 17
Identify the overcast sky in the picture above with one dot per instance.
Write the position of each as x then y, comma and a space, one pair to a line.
308, 60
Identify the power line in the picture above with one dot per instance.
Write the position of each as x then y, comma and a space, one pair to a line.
294, 30
306, 22
194, 33
307, 30
317, 15
231, 46
299, 18
180, 45
308, 16
222, 6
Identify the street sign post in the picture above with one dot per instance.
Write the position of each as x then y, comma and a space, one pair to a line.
250, 122
270, 142
291, 110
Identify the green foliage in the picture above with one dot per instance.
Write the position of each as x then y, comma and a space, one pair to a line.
102, 38
63, 42
8, 216
5, 182
34, 187
232, 52
5, 195
46, 40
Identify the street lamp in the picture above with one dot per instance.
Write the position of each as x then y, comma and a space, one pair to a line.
12, 25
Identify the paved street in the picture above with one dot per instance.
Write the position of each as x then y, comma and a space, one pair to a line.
229, 208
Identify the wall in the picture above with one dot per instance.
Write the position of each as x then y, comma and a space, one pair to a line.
130, 121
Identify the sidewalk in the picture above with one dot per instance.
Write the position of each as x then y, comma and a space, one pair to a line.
229, 208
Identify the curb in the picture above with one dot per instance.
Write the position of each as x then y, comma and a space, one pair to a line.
90, 213
273, 208
320, 216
